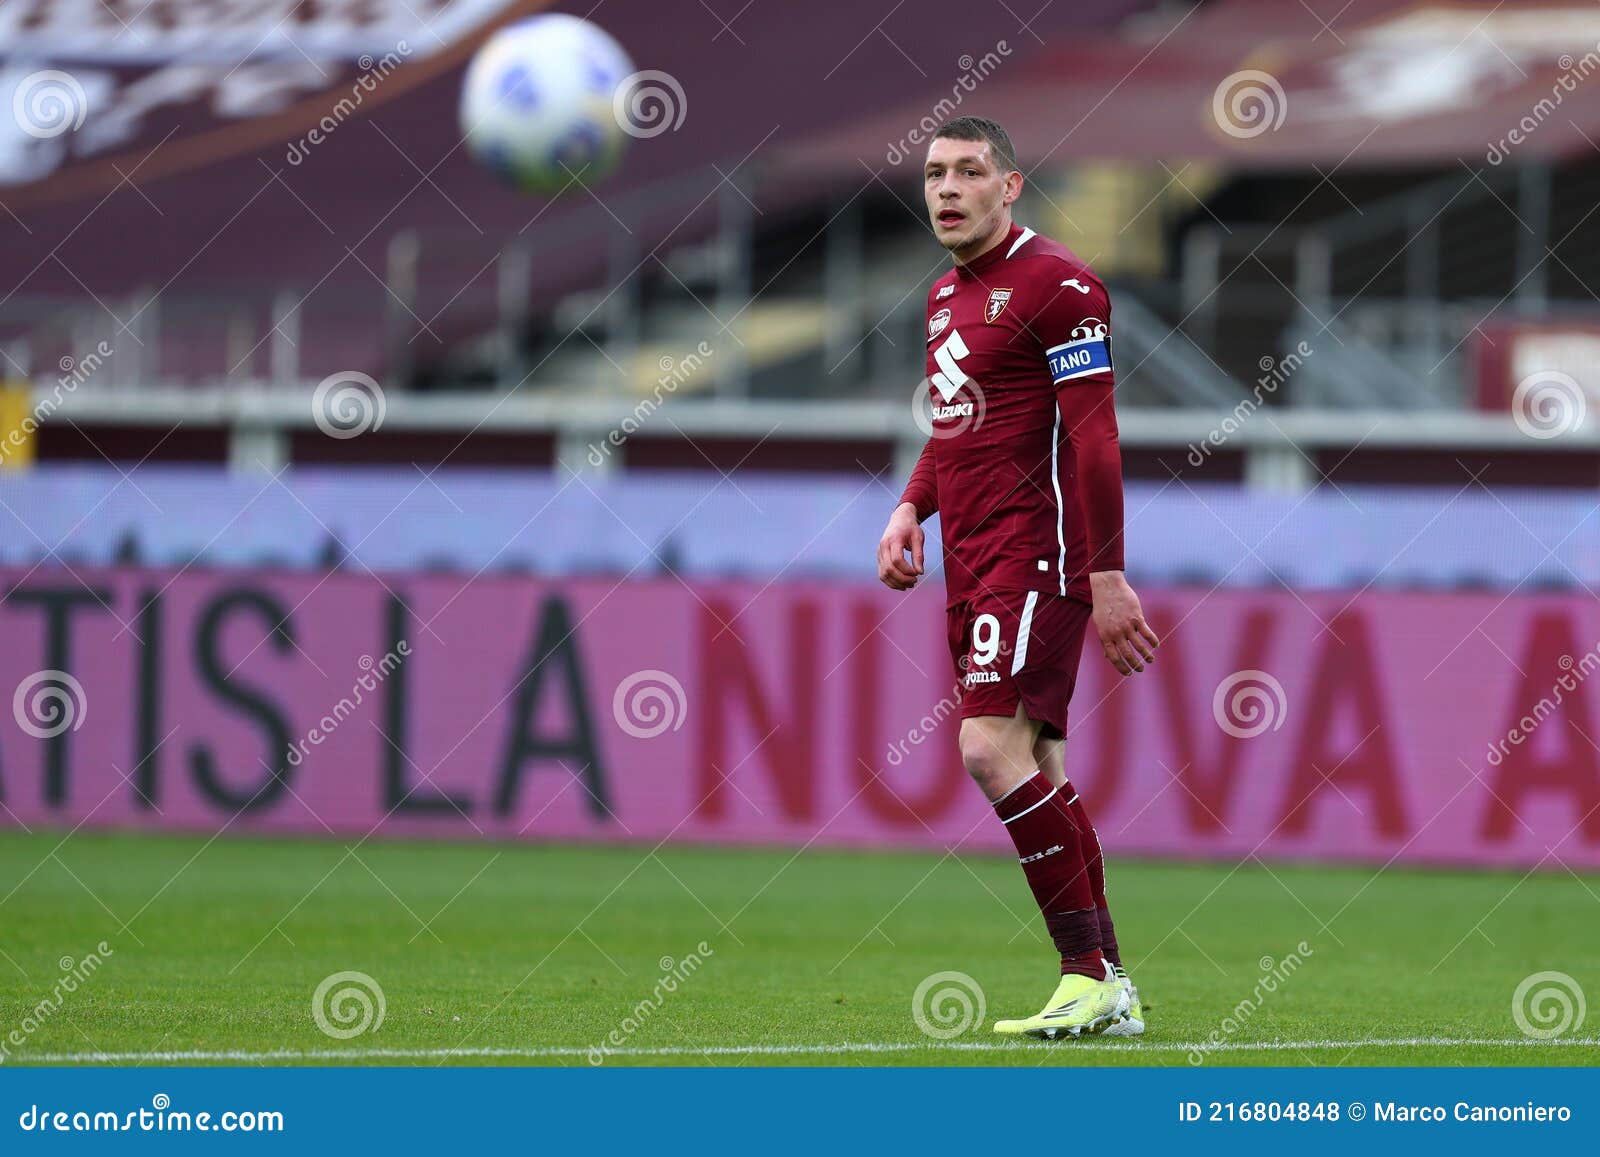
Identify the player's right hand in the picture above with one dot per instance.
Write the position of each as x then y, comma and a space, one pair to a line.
902, 536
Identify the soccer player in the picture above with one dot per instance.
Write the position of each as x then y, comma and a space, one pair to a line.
1024, 469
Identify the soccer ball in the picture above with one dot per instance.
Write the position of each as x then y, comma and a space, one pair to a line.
537, 103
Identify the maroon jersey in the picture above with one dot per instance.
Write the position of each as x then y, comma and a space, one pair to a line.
1023, 463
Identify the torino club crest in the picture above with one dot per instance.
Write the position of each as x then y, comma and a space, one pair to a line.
996, 304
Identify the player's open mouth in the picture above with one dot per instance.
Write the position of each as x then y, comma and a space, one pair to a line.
951, 217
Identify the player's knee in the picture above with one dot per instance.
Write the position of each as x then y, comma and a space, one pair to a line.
991, 767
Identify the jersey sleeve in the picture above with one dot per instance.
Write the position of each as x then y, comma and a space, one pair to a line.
922, 491
1073, 325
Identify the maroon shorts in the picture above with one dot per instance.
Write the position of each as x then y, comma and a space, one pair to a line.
1013, 647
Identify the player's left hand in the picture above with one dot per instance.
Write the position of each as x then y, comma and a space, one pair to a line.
1125, 638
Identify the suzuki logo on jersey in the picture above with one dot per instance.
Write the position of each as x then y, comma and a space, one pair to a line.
1089, 352
996, 304
937, 322
950, 378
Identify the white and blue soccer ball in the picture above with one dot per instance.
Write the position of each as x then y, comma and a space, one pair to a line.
540, 103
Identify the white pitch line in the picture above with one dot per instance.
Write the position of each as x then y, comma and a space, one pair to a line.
533, 1053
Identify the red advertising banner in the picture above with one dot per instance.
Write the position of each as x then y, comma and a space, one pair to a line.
1429, 727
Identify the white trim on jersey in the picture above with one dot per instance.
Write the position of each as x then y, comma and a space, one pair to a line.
1022, 239
1024, 629
1055, 481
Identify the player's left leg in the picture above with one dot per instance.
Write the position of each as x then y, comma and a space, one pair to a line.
1049, 754
997, 752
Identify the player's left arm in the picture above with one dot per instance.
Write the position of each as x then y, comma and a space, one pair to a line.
1074, 326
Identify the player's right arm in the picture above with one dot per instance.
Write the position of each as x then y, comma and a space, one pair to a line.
904, 536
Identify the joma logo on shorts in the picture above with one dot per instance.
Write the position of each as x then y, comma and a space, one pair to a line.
1050, 851
982, 677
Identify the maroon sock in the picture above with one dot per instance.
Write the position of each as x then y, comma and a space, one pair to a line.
1048, 845
1095, 862
1108, 936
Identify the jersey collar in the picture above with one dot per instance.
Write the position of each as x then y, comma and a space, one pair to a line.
992, 257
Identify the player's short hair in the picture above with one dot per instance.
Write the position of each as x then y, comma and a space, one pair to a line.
981, 129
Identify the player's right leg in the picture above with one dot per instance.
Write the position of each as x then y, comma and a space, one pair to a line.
1049, 754
998, 753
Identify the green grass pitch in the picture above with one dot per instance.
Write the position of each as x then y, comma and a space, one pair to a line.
514, 954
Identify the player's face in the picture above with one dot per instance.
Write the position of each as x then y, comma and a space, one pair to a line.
969, 195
